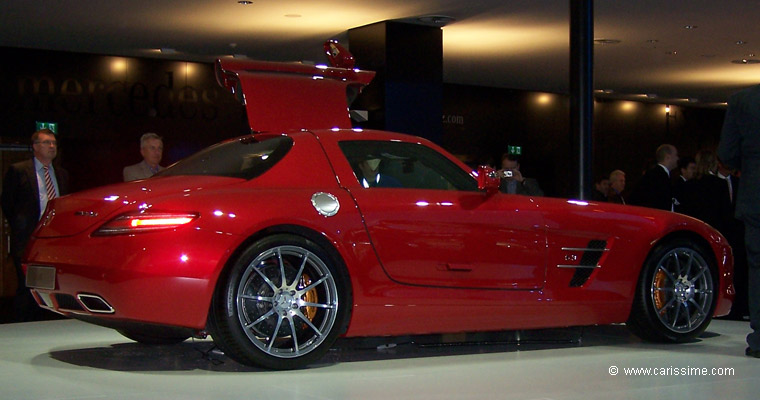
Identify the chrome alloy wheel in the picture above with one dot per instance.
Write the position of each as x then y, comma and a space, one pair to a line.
287, 301
682, 290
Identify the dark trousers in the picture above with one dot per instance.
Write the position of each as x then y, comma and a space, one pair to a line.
752, 240
25, 308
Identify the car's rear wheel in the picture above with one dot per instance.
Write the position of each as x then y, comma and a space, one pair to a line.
675, 297
281, 305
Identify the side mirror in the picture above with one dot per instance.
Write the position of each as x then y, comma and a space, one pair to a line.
488, 179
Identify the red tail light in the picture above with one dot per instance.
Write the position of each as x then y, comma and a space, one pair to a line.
144, 222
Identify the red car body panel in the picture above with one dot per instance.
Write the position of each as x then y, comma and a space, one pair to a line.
419, 261
440, 268
280, 99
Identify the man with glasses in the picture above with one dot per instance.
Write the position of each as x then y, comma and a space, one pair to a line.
28, 186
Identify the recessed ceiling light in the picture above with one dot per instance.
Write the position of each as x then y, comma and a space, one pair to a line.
245, 2
745, 61
436, 20
653, 41
690, 27
671, 53
606, 41
740, 42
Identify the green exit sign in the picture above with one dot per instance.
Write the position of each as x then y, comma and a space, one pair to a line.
514, 150
53, 126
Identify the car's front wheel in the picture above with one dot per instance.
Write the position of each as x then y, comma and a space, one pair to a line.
282, 304
675, 298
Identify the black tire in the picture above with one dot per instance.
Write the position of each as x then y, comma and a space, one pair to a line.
153, 338
260, 319
675, 297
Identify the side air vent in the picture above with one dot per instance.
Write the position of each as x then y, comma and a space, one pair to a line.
589, 261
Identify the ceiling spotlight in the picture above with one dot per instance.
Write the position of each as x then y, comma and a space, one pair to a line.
740, 42
690, 27
436, 20
245, 2
746, 61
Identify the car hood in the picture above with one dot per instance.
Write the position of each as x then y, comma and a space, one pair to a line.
75, 213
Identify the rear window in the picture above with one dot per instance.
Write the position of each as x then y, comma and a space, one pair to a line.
244, 158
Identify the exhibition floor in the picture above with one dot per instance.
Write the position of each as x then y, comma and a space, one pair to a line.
67, 359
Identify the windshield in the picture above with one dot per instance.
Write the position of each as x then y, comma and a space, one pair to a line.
244, 158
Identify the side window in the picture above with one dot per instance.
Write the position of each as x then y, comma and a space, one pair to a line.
404, 165
244, 158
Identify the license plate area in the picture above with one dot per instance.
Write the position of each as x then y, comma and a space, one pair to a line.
40, 277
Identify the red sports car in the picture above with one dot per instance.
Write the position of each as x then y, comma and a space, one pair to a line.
279, 242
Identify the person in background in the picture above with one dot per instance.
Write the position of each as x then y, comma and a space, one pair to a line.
687, 166
152, 149
601, 189
654, 189
735, 235
739, 149
28, 186
512, 180
617, 185
707, 197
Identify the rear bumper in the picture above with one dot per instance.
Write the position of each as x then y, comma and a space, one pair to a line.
133, 279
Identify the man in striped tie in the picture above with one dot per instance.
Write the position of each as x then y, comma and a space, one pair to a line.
28, 186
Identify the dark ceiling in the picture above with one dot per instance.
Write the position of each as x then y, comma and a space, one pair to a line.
696, 51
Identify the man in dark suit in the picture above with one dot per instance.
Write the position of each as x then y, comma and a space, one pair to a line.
617, 186
681, 183
601, 189
739, 148
27, 188
654, 189
512, 180
734, 232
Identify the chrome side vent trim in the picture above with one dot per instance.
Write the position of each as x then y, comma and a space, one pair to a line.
589, 260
